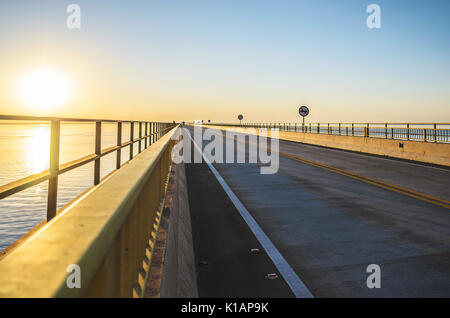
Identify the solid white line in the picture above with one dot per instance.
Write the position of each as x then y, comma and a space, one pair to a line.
290, 276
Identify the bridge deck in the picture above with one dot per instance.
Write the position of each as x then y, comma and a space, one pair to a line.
327, 226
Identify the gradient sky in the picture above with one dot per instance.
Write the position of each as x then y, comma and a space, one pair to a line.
186, 59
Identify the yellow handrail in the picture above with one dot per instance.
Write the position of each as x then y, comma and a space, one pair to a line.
108, 233
148, 133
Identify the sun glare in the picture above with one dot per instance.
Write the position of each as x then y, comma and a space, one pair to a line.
44, 89
38, 148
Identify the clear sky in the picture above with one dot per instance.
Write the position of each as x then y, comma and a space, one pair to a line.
193, 59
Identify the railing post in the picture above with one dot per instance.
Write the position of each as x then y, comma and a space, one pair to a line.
153, 132
146, 135
328, 129
435, 132
392, 133
407, 131
367, 131
119, 143
318, 128
385, 131
53, 169
150, 141
339, 129
353, 129
140, 136
131, 139
425, 134
98, 149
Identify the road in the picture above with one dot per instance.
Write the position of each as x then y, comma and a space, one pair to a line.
328, 226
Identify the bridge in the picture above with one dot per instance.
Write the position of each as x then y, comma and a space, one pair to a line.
343, 196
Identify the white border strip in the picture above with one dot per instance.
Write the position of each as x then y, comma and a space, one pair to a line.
295, 283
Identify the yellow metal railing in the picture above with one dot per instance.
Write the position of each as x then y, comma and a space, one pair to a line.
149, 132
109, 233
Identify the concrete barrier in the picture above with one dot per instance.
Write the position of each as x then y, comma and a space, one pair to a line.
173, 272
427, 152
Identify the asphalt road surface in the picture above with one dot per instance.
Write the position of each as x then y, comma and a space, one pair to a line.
328, 227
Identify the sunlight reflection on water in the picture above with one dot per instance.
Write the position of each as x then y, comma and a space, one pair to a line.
24, 150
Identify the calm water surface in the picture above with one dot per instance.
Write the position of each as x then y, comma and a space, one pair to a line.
24, 150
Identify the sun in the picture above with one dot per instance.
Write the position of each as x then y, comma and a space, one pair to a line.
44, 88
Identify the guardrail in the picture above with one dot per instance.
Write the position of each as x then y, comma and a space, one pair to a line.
428, 132
108, 235
149, 132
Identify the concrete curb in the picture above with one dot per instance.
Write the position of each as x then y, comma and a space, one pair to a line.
173, 272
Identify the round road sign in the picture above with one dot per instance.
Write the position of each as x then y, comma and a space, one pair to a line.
303, 111
240, 117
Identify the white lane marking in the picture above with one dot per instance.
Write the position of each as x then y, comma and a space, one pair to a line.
295, 283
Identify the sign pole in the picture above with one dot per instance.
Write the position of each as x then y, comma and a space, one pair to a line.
303, 111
